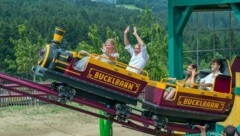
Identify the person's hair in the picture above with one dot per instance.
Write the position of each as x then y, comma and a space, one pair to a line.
110, 40
230, 130
194, 66
217, 61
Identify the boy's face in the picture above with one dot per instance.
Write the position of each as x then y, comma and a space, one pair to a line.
215, 67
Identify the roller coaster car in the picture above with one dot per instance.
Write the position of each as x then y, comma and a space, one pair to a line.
99, 78
193, 104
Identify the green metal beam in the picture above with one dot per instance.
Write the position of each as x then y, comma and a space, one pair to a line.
202, 2
185, 17
236, 10
175, 63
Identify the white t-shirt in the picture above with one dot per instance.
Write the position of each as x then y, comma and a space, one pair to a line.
209, 79
137, 61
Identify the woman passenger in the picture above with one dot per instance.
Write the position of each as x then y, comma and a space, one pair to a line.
109, 52
109, 55
189, 81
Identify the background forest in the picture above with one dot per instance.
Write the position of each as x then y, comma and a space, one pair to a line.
26, 26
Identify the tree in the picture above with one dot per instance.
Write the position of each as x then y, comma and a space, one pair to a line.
156, 39
25, 52
151, 32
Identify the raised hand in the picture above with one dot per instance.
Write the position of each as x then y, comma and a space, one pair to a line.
194, 73
127, 30
103, 49
134, 30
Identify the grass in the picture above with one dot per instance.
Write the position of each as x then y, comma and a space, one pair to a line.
39, 109
44, 119
48, 112
30, 110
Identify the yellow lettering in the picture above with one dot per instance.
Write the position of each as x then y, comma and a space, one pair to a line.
212, 105
113, 81
96, 75
105, 78
197, 102
109, 79
121, 83
189, 101
125, 85
101, 76
193, 102
185, 101
208, 104
117, 82
130, 87
216, 105
204, 103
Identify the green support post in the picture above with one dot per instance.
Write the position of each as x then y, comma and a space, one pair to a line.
236, 9
177, 20
174, 42
105, 126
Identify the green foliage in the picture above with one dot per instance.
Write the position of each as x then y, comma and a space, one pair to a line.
150, 31
80, 18
94, 36
84, 46
155, 38
25, 52
95, 41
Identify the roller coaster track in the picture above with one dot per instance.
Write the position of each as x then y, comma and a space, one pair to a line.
111, 112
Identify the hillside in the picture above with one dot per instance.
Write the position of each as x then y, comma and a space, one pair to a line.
40, 17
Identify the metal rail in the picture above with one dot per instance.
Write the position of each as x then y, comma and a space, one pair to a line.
111, 112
